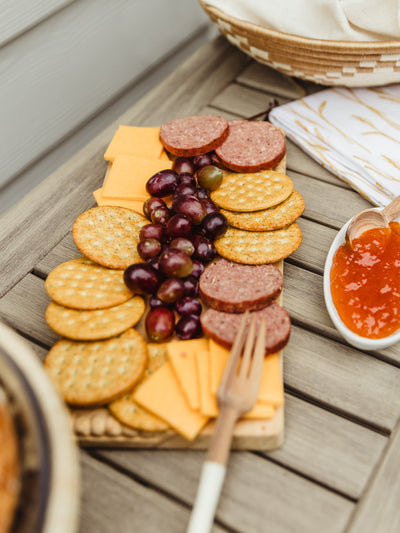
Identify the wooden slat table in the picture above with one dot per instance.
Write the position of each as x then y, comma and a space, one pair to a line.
339, 465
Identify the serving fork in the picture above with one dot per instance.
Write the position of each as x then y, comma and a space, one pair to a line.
236, 395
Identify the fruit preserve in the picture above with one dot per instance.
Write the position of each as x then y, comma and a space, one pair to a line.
365, 282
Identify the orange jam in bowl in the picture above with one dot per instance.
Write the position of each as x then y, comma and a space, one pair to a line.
365, 282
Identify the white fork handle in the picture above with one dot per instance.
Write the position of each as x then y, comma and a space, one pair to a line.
210, 486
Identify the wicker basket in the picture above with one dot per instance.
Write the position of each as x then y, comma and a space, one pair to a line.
352, 64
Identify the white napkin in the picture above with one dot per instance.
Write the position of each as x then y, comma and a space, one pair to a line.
343, 20
354, 133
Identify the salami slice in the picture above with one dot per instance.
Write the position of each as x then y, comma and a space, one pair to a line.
190, 136
252, 146
223, 327
234, 288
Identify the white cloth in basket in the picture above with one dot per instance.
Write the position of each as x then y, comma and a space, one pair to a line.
354, 133
340, 20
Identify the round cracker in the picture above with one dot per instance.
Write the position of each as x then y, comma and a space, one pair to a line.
252, 192
109, 235
127, 411
274, 217
96, 324
82, 284
95, 373
258, 247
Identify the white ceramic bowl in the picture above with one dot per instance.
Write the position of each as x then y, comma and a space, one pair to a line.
362, 343
50, 491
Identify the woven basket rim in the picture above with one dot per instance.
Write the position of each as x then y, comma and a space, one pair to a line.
296, 40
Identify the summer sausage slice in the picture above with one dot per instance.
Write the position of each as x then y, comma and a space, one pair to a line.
223, 327
190, 136
252, 146
234, 288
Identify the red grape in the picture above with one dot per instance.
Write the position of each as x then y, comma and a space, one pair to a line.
210, 206
201, 161
182, 244
162, 184
142, 278
151, 204
174, 263
204, 249
183, 165
183, 189
190, 286
188, 179
153, 231
160, 215
198, 268
188, 327
170, 290
179, 226
149, 248
188, 306
214, 225
190, 206
159, 323
156, 302
202, 193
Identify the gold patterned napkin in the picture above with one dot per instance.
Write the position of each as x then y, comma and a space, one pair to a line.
354, 133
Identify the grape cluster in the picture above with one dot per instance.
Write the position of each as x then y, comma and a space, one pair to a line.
176, 245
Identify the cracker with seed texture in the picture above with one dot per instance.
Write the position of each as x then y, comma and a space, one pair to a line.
82, 284
96, 324
275, 217
109, 235
258, 247
252, 192
95, 373
127, 411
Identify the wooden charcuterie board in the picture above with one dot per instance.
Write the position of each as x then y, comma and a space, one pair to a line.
97, 427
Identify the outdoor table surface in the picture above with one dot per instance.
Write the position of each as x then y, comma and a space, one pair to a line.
339, 467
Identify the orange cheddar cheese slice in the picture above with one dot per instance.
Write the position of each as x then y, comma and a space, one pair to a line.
136, 140
218, 358
208, 400
162, 395
182, 355
271, 387
128, 177
130, 204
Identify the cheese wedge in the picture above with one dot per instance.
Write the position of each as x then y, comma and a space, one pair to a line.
135, 140
271, 387
128, 177
208, 399
182, 355
162, 395
130, 204
218, 358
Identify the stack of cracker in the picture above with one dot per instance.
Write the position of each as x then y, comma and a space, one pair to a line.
261, 209
101, 357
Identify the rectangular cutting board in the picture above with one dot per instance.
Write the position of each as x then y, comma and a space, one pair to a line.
96, 427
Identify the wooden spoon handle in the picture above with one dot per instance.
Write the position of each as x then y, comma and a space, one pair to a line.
392, 210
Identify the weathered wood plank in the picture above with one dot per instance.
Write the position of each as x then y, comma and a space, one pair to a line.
342, 462
327, 203
264, 78
69, 189
244, 101
347, 380
113, 502
256, 492
379, 511
328, 448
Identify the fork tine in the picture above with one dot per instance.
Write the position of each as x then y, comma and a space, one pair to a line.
236, 350
248, 349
